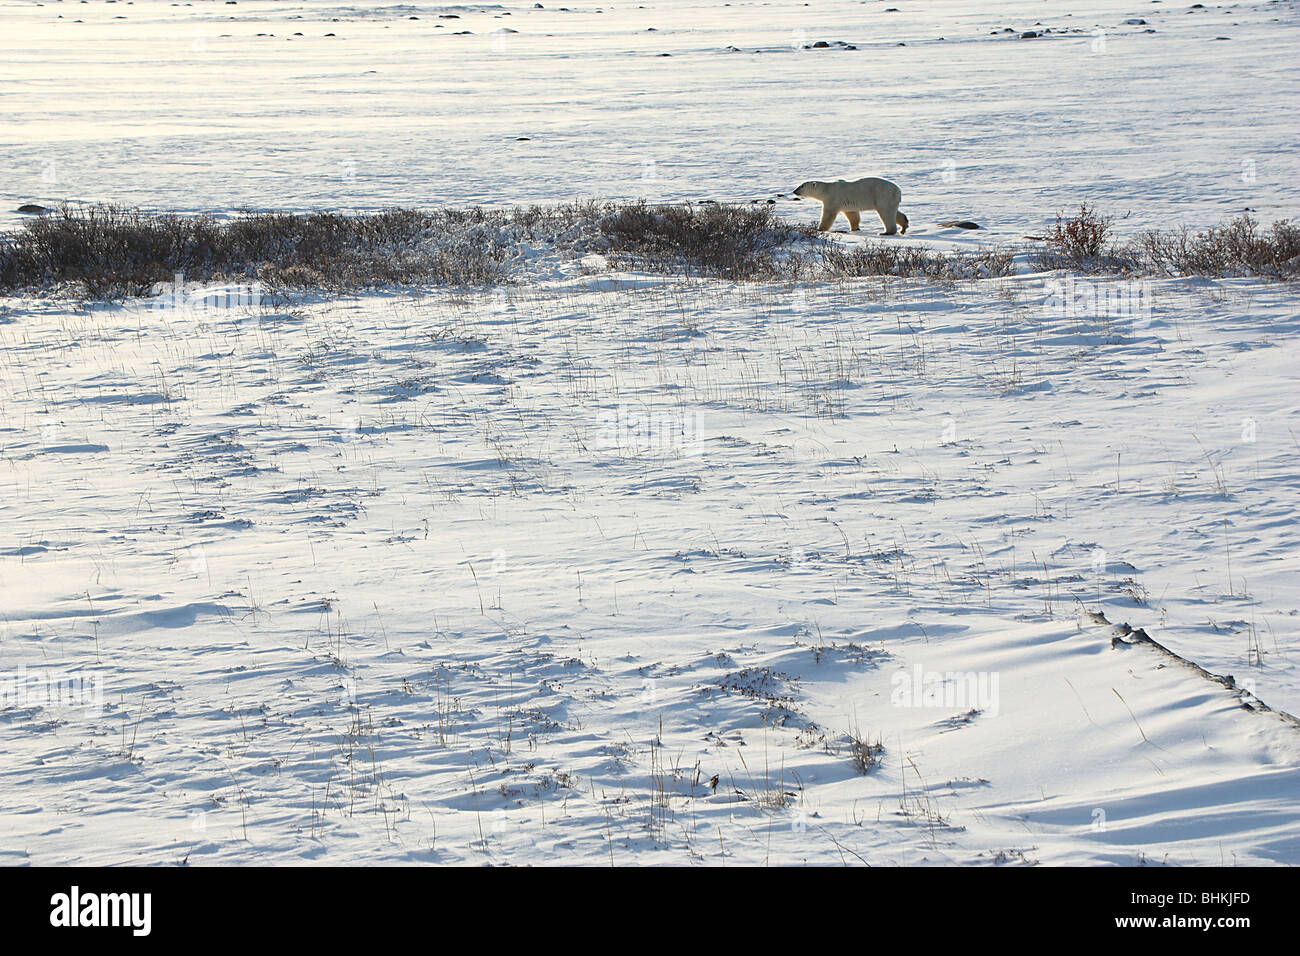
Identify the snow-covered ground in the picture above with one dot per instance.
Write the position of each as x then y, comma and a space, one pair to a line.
606, 567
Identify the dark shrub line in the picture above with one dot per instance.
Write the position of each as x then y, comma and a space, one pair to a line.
1084, 243
106, 251
109, 251
894, 259
733, 242
1239, 248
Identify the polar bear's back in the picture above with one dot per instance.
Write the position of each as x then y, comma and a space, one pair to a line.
861, 195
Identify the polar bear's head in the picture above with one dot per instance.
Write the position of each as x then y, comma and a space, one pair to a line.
808, 189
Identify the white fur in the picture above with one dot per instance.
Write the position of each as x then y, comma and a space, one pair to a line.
854, 196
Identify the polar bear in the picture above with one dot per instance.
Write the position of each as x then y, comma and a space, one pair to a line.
853, 197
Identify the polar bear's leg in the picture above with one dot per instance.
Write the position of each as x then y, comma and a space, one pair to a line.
889, 216
854, 220
829, 213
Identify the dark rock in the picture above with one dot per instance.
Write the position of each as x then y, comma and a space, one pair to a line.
32, 208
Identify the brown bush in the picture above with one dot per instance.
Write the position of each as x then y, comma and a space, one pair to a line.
1239, 248
896, 259
734, 242
108, 251
1078, 242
